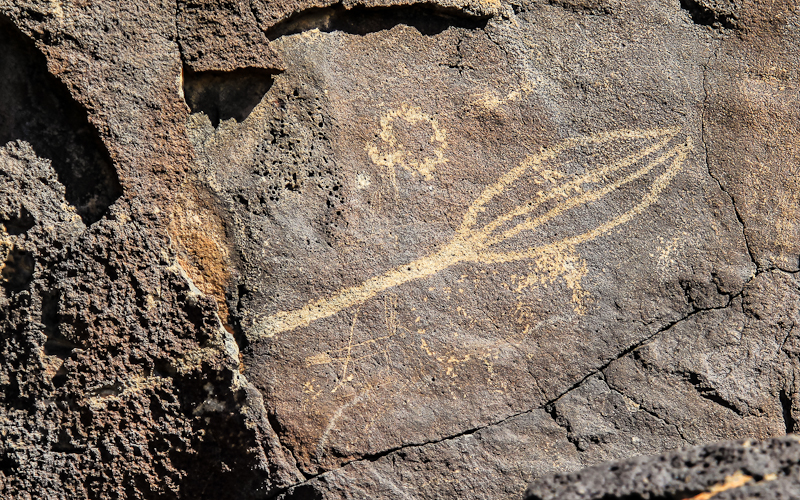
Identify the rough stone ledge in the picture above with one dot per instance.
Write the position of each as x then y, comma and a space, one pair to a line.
737, 469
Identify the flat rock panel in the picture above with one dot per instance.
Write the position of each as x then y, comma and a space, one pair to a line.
395, 249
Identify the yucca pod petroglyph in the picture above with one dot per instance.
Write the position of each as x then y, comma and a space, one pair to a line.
654, 156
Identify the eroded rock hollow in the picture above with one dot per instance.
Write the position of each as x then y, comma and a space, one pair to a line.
390, 249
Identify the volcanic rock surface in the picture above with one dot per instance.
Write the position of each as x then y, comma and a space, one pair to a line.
737, 470
387, 249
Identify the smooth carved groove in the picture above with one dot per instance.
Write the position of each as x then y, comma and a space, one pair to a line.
428, 19
223, 95
475, 245
735, 480
37, 108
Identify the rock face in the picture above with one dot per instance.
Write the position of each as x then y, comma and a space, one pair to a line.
390, 249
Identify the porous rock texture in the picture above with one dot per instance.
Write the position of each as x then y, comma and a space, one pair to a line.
736, 470
388, 249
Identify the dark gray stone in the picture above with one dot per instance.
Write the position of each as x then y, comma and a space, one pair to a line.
733, 470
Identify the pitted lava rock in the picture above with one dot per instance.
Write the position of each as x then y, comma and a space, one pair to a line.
732, 470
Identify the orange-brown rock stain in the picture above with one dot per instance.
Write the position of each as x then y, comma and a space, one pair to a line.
203, 251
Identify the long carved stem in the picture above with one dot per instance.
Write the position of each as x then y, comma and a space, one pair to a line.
472, 245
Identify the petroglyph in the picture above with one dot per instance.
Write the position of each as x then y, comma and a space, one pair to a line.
735, 480
547, 268
391, 153
486, 245
491, 99
356, 352
343, 378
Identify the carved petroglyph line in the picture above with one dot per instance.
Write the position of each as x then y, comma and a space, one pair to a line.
546, 269
326, 358
334, 419
474, 245
56, 9
390, 314
347, 357
343, 378
391, 154
451, 361
491, 99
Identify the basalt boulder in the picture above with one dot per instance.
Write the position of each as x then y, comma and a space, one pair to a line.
394, 249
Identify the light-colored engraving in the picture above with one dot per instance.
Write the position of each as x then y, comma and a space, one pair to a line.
478, 245
363, 181
6, 246
335, 418
343, 379
491, 99
735, 480
549, 267
355, 352
391, 153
